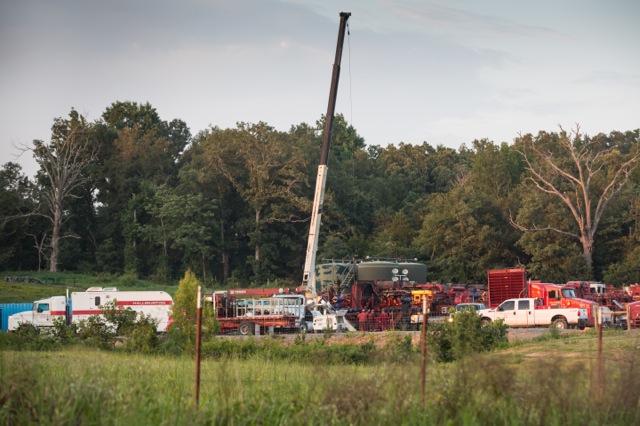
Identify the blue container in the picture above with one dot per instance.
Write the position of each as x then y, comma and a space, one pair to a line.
7, 309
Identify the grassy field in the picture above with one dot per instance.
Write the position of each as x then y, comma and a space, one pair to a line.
548, 381
38, 285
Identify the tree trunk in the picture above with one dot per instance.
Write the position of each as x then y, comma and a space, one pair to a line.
587, 250
224, 254
204, 268
257, 243
55, 235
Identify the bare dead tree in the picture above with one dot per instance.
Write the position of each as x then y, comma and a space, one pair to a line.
63, 163
40, 244
583, 173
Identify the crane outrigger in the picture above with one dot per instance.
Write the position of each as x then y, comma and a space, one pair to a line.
309, 276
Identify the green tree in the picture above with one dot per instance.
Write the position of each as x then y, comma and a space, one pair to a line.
267, 171
184, 312
496, 171
395, 237
18, 226
197, 177
137, 151
464, 235
624, 271
183, 222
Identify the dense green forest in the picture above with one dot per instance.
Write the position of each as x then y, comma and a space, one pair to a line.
133, 194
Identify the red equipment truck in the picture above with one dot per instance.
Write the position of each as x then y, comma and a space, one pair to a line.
555, 296
634, 314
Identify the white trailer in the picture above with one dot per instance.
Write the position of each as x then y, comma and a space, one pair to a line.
82, 305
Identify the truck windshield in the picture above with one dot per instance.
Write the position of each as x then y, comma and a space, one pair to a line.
568, 293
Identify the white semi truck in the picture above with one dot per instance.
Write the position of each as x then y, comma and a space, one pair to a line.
82, 305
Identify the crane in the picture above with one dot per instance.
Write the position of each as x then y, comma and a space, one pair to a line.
309, 276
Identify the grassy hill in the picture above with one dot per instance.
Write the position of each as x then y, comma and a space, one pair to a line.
25, 286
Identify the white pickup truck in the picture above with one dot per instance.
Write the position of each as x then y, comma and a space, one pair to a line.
526, 313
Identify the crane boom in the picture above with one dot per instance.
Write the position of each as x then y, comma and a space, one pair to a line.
309, 276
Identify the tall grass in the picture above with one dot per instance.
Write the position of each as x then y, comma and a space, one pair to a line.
84, 386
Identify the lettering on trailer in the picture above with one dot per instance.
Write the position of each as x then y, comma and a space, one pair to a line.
124, 303
143, 302
237, 291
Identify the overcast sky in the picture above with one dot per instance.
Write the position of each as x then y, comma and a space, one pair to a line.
445, 72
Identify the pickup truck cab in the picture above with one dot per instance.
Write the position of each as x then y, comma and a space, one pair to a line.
527, 313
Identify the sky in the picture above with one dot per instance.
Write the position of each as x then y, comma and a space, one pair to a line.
412, 71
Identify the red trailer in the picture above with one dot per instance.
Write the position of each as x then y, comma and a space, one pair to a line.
505, 284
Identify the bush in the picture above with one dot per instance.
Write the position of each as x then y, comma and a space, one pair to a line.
63, 333
399, 349
142, 336
94, 332
129, 279
465, 335
27, 333
121, 319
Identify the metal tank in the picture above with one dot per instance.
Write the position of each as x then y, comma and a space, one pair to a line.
385, 270
416, 272
328, 273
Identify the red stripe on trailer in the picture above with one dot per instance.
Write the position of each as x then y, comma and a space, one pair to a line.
89, 312
60, 313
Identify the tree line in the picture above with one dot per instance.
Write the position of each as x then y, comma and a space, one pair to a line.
133, 194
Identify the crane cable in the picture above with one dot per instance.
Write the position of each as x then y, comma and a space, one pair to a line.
353, 163
350, 79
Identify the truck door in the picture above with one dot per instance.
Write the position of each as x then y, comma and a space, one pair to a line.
506, 311
42, 315
523, 315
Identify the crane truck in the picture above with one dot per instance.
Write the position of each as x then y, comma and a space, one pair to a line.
245, 311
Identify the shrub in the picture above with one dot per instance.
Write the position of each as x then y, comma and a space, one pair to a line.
94, 332
120, 318
62, 332
129, 279
142, 336
399, 349
27, 333
465, 335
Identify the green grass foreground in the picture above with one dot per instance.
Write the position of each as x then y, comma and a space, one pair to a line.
543, 382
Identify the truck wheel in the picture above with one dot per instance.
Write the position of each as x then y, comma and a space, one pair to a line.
560, 324
245, 328
486, 322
